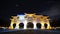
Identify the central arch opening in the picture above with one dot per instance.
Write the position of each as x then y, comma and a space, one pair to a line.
21, 25
29, 25
38, 25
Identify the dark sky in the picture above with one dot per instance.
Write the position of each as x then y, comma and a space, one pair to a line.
14, 7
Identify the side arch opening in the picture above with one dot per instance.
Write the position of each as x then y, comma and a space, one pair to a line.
14, 25
38, 25
21, 25
45, 25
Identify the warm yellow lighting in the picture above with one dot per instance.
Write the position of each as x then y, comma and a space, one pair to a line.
31, 18
14, 20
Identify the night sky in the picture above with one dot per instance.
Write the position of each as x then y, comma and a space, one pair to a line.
14, 7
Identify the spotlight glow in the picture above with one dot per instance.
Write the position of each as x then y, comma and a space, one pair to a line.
21, 17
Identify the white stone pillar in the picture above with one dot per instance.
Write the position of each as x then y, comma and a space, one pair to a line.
25, 24
48, 26
34, 23
17, 26
42, 25
11, 25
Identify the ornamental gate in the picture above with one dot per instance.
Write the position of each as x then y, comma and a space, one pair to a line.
30, 18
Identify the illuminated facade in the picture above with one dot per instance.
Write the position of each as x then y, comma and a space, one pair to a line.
27, 18
14, 20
